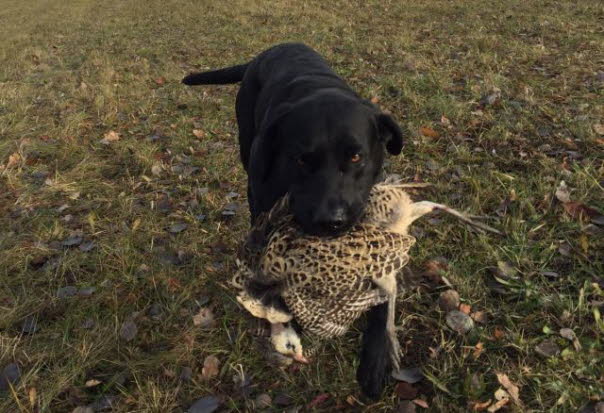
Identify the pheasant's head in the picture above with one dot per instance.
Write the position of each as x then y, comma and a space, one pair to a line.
287, 342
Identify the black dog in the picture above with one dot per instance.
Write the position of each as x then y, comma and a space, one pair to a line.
302, 130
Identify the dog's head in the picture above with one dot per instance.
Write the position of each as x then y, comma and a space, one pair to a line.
329, 150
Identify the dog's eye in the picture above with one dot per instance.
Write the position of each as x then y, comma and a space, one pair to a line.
355, 158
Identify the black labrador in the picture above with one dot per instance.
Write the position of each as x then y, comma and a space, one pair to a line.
303, 130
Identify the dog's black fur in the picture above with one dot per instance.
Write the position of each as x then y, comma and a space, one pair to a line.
303, 130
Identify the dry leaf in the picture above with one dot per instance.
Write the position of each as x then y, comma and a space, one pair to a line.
160, 80
13, 160
599, 128
199, 133
375, 100
479, 317
32, 395
511, 388
445, 121
109, 137
465, 308
562, 193
478, 349
210, 367
205, 318
498, 334
578, 209
405, 391
421, 403
498, 405
478, 407
321, 398
429, 132
92, 382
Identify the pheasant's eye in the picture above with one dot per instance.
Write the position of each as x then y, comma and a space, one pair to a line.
290, 346
355, 158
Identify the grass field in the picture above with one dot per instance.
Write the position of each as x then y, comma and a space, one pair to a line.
501, 101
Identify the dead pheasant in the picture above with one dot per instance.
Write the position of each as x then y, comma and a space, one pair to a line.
326, 283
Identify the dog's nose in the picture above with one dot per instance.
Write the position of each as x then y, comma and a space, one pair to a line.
335, 220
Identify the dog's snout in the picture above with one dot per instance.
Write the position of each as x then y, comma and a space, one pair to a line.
333, 220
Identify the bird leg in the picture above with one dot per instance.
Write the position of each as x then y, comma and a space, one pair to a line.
424, 207
388, 284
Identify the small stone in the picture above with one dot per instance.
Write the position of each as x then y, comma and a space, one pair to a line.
405, 406
176, 228
88, 323
10, 375
405, 391
547, 348
411, 375
448, 300
283, 400
67, 291
72, 241
459, 322
263, 401
128, 330
206, 404
30, 325
82, 409
86, 291
87, 246
105, 402
186, 373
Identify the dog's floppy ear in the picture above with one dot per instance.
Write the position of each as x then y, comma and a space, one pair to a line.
390, 132
265, 146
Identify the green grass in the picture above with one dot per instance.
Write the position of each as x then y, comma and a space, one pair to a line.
71, 71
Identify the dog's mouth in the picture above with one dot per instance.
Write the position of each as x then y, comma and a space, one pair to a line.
328, 229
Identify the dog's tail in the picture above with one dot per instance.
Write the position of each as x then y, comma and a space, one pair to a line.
224, 76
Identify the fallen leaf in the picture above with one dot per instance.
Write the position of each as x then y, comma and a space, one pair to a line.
128, 330
498, 405
199, 134
13, 160
210, 368
510, 387
421, 403
410, 375
320, 399
92, 382
204, 318
478, 349
459, 322
479, 407
375, 100
479, 316
445, 121
156, 169
547, 348
206, 404
577, 210
32, 395
465, 308
109, 137
498, 334
160, 80
563, 193
599, 128
405, 391
429, 132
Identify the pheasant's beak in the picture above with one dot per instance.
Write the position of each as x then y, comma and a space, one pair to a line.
300, 358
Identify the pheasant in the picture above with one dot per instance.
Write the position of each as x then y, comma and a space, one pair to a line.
326, 283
